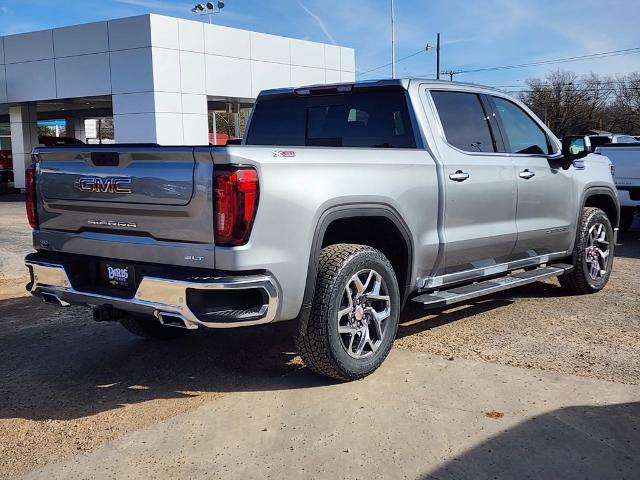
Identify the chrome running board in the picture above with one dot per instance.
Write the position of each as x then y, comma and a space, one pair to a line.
463, 293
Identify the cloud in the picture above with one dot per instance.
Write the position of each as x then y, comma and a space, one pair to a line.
154, 5
455, 41
319, 21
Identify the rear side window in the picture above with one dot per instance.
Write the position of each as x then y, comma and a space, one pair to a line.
524, 134
464, 121
373, 119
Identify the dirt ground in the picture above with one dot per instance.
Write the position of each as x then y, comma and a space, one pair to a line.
69, 384
540, 326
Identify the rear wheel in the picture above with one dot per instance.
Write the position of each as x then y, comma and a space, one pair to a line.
149, 327
592, 255
354, 316
627, 216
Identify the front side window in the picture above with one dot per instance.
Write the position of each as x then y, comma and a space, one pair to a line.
525, 136
368, 119
464, 121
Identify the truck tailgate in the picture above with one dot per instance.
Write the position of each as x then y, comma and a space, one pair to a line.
108, 177
626, 160
131, 196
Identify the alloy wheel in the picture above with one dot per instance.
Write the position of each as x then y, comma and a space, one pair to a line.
364, 308
597, 256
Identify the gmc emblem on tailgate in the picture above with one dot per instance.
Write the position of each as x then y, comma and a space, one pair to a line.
105, 185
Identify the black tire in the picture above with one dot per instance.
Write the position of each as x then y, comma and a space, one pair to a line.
321, 346
579, 279
627, 215
149, 327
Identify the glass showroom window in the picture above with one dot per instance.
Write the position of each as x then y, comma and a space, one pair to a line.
5, 136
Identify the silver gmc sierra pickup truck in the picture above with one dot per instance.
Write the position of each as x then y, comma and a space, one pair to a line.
342, 203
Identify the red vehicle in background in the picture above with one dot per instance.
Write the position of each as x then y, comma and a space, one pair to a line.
6, 157
222, 139
6, 166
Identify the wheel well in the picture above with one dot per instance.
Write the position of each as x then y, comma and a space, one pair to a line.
380, 233
606, 204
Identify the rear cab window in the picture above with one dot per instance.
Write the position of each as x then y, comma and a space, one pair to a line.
371, 118
464, 121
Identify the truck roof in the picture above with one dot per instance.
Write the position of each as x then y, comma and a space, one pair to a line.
399, 82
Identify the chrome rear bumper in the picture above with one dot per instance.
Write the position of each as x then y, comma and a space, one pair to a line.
155, 296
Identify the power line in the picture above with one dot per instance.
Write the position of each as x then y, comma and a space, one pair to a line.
569, 84
451, 73
593, 56
398, 60
585, 90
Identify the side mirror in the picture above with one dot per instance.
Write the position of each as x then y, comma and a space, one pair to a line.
574, 147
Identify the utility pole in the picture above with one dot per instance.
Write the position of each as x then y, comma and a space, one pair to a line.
451, 73
393, 42
438, 57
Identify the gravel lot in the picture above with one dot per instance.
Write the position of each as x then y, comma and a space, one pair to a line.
540, 326
68, 384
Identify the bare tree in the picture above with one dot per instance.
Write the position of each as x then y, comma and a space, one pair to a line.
625, 108
569, 103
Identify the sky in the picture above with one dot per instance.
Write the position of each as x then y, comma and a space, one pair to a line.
475, 34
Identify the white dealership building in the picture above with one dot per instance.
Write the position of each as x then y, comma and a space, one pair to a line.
157, 79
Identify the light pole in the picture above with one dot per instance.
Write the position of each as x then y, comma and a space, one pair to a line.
209, 8
393, 42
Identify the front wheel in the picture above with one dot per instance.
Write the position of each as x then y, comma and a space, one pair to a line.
592, 255
354, 315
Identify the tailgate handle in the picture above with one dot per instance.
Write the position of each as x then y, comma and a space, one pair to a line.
105, 159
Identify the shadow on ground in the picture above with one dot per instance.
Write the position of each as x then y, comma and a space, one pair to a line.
581, 442
59, 364
412, 322
413, 317
629, 242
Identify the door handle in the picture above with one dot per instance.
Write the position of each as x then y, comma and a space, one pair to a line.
459, 176
527, 174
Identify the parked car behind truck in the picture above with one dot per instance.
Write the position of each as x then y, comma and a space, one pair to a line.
343, 203
6, 167
626, 161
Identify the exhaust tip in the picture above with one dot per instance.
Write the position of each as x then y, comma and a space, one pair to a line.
53, 299
176, 320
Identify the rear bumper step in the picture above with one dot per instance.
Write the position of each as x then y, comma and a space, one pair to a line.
164, 298
443, 298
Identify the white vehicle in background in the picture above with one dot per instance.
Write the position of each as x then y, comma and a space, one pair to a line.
626, 161
597, 140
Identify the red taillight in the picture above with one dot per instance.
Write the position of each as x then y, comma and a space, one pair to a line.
236, 191
32, 206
